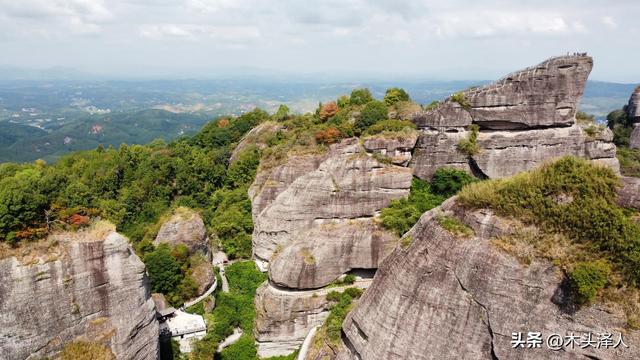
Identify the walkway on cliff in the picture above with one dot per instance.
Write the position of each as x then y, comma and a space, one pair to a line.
360, 283
230, 340
209, 291
306, 344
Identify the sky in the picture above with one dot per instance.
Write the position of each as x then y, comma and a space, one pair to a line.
444, 39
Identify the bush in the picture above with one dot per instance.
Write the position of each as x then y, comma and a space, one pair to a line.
583, 117
360, 97
461, 99
432, 106
629, 161
402, 214
590, 215
328, 110
373, 112
389, 126
164, 272
349, 279
328, 136
394, 95
448, 181
470, 145
587, 278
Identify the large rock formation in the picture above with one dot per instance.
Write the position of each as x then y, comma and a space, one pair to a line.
185, 227
445, 297
524, 119
315, 222
632, 110
87, 286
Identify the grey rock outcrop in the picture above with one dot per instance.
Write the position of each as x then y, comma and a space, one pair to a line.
526, 118
633, 107
314, 223
331, 250
450, 298
629, 193
397, 148
283, 318
185, 227
348, 185
88, 287
255, 137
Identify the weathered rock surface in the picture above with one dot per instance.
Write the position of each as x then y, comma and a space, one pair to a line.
633, 108
185, 227
93, 288
526, 118
629, 193
505, 153
348, 185
314, 224
255, 137
397, 148
330, 250
283, 318
450, 298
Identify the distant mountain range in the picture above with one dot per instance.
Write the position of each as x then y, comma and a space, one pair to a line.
47, 118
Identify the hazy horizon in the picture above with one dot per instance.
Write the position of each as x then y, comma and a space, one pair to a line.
350, 39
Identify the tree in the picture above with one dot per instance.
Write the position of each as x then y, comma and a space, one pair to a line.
164, 270
448, 181
394, 95
373, 112
328, 110
360, 97
282, 113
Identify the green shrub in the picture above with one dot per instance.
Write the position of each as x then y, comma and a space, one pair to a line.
587, 278
389, 126
402, 214
344, 302
349, 279
469, 146
165, 274
394, 95
454, 226
461, 99
360, 97
583, 117
243, 349
373, 112
432, 106
448, 181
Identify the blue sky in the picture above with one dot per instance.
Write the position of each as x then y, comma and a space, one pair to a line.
452, 39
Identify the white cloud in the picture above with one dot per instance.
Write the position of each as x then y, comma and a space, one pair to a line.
195, 32
609, 22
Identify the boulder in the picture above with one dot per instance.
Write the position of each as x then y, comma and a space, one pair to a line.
435, 149
88, 286
629, 192
185, 227
445, 297
257, 137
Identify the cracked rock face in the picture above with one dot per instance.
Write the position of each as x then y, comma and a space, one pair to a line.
526, 118
448, 298
92, 289
185, 227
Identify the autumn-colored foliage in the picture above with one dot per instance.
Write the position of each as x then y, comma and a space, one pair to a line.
223, 123
328, 136
31, 233
78, 220
328, 110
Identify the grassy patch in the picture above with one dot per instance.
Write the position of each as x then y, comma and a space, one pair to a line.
469, 146
572, 197
629, 161
454, 226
